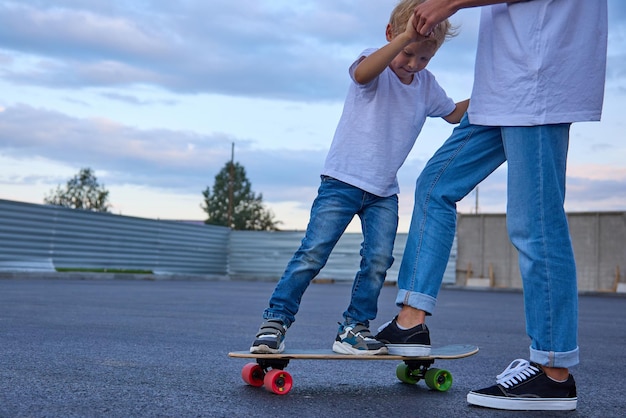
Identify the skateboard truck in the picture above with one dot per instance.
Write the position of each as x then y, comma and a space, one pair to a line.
412, 371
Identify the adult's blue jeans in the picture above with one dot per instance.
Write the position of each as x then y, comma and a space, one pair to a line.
536, 223
334, 208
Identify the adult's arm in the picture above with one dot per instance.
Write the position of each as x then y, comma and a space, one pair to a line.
432, 12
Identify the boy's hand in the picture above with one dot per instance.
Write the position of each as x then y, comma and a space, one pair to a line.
371, 66
410, 31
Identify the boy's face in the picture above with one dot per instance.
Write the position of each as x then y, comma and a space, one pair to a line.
413, 58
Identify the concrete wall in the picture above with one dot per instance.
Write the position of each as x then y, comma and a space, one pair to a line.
487, 257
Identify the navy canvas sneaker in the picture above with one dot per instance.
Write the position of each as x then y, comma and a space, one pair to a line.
405, 342
523, 386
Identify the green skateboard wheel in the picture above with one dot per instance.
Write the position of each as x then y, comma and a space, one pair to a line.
403, 372
438, 379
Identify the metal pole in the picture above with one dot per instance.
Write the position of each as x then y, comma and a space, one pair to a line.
231, 181
476, 203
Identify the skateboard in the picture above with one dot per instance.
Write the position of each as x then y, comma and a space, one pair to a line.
268, 370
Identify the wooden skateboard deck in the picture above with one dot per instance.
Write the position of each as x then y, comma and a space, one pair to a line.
268, 370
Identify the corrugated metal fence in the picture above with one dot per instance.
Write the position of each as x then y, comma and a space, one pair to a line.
264, 255
41, 237
45, 238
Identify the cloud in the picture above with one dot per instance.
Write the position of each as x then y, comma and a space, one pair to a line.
160, 158
300, 50
595, 194
134, 100
213, 47
67, 33
597, 172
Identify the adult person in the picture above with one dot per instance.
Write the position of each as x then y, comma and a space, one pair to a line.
540, 66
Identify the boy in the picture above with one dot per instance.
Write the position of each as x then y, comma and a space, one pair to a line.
387, 104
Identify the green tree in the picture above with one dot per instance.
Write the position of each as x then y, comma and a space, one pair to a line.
81, 192
232, 202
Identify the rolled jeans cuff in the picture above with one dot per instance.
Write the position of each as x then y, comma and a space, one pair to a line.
555, 359
416, 300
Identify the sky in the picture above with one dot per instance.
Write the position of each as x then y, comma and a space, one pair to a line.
152, 94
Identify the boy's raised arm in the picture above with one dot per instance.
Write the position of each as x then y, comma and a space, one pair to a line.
371, 66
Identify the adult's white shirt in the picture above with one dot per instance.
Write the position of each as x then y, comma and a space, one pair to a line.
540, 62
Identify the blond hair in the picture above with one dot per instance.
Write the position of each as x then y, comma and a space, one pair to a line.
402, 13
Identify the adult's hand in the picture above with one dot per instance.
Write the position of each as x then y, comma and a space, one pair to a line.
431, 13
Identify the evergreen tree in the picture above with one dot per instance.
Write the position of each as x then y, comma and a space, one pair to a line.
235, 204
81, 192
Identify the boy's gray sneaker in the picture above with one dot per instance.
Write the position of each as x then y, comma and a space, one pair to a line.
356, 339
270, 338
523, 386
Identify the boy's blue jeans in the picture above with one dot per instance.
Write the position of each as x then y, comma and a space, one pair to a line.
333, 209
536, 223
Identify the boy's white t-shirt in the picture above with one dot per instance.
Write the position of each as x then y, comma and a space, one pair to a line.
540, 62
378, 127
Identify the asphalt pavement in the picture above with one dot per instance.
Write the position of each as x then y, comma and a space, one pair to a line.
158, 348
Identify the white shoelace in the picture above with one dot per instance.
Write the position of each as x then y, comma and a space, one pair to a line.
518, 371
